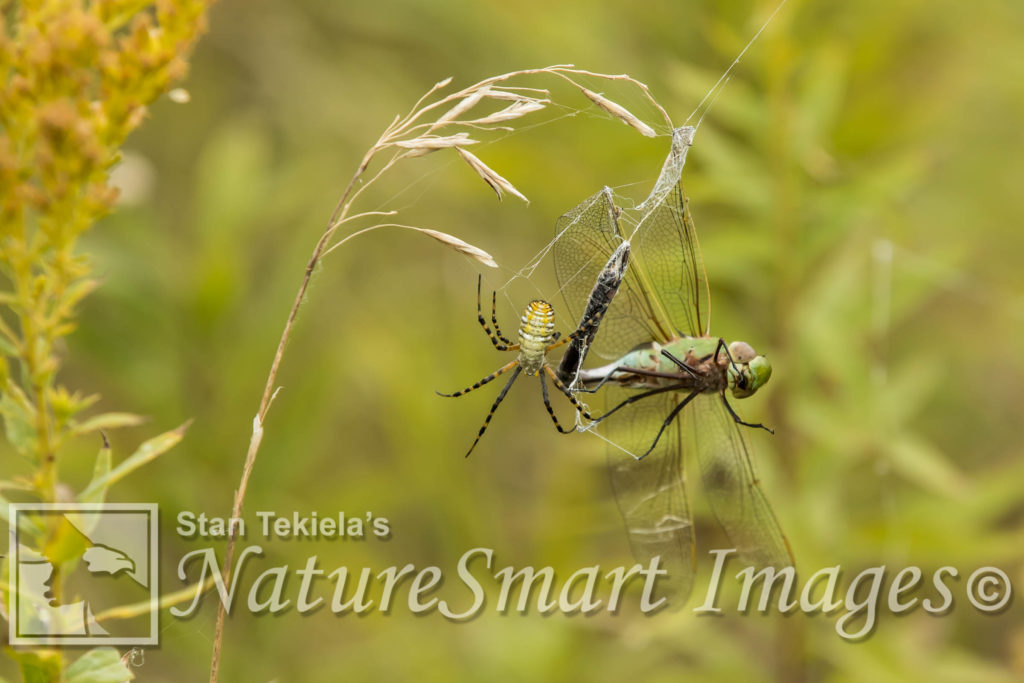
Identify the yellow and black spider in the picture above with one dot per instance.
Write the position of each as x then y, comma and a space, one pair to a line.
537, 336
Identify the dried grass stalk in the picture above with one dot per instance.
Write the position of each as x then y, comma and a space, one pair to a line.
499, 94
517, 109
490, 176
426, 144
463, 106
461, 246
620, 112
478, 255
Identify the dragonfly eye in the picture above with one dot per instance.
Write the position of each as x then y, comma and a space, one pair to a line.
761, 369
742, 352
746, 379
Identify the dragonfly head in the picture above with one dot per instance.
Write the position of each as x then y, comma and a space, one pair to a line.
748, 372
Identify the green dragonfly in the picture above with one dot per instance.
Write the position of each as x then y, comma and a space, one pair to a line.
667, 381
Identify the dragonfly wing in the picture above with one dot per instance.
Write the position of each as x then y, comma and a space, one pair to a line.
586, 237
651, 493
731, 484
667, 255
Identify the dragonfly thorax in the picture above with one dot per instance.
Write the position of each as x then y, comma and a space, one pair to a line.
536, 334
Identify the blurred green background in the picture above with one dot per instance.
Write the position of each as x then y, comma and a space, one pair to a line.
856, 191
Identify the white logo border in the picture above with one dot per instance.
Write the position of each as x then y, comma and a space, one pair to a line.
151, 509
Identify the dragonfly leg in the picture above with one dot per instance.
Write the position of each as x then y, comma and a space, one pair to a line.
547, 404
668, 420
605, 380
722, 346
600, 384
635, 398
565, 390
680, 364
502, 345
489, 378
737, 420
490, 414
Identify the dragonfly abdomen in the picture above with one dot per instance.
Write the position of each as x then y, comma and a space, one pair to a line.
536, 333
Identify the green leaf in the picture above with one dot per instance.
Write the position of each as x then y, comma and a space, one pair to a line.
102, 665
7, 347
75, 293
66, 405
107, 421
820, 97
38, 666
100, 473
924, 465
29, 525
147, 452
19, 424
67, 543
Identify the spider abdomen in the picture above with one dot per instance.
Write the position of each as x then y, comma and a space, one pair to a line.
536, 333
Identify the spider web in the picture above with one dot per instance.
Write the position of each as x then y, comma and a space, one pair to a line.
651, 491
632, 214
629, 219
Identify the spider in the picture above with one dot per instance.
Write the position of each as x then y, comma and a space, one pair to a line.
537, 336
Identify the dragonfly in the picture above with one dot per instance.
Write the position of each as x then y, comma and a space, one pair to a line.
667, 383
536, 338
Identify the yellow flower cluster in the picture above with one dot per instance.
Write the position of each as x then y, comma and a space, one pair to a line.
76, 77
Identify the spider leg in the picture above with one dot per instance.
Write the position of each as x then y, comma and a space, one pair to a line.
565, 390
503, 369
737, 420
494, 314
507, 345
583, 329
547, 404
497, 402
559, 342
